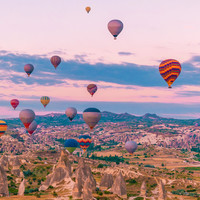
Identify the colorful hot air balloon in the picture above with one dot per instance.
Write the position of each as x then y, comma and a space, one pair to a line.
32, 127
27, 116
71, 113
92, 88
55, 61
170, 70
91, 116
84, 141
115, 27
44, 100
28, 68
3, 127
71, 145
87, 9
131, 146
14, 103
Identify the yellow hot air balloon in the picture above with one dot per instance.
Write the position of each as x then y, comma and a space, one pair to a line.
45, 100
3, 127
87, 9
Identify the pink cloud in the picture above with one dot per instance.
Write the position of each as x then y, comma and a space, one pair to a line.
73, 90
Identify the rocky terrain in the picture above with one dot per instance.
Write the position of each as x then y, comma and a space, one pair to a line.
166, 164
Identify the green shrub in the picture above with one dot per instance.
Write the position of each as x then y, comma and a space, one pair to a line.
107, 192
13, 191
139, 198
131, 181
100, 165
151, 166
37, 195
55, 194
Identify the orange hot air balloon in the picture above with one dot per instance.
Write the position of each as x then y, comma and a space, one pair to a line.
44, 100
14, 103
87, 9
170, 70
55, 61
3, 127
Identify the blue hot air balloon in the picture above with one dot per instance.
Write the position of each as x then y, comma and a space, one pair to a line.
71, 145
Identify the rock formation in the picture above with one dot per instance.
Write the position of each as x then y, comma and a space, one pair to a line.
107, 181
88, 189
83, 173
4, 162
15, 164
3, 183
162, 192
143, 189
21, 188
119, 186
61, 172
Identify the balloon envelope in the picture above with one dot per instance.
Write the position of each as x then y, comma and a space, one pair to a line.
55, 61
87, 9
71, 145
131, 146
3, 127
27, 116
92, 88
84, 141
32, 127
45, 100
14, 103
71, 113
115, 27
28, 68
91, 116
170, 70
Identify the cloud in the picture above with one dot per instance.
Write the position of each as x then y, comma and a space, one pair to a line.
116, 83
123, 53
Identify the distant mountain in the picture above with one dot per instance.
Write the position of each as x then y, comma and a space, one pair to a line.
151, 116
58, 119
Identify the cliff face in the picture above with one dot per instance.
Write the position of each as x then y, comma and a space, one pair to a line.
61, 172
85, 183
119, 186
107, 181
3, 183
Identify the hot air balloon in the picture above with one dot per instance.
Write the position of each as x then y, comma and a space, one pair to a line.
87, 9
44, 100
71, 145
170, 70
91, 116
14, 103
3, 127
55, 61
115, 27
32, 127
28, 68
131, 146
27, 116
84, 141
71, 113
92, 88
